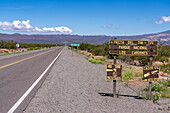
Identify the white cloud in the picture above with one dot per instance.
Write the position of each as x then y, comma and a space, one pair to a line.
159, 22
164, 19
24, 26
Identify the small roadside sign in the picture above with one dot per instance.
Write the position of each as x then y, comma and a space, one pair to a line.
114, 72
75, 44
150, 73
17, 45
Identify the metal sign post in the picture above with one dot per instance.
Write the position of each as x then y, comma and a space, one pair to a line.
78, 49
17, 46
72, 50
77, 45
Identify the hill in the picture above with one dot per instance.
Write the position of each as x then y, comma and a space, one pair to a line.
162, 37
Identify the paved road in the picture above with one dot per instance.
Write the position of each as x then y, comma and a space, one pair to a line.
18, 73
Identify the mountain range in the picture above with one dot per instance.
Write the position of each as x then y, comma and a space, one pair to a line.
162, 37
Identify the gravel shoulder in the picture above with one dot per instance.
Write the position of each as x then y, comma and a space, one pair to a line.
78, 86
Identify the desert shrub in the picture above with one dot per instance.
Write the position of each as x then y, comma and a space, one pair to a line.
125, 58
165, 67
129, 74
163, 53
97, 60
97, 51
159, 90
164, 59
30, 49
143, 60
6, 52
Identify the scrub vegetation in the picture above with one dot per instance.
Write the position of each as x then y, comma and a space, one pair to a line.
12, 45
103, 50
159, 90
97, 60
9, 47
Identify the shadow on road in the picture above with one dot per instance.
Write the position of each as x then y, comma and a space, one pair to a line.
111, 95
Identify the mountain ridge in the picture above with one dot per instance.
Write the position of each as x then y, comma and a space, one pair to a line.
162, 37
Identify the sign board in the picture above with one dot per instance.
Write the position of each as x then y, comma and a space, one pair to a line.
75, 44
150, 73
133, 42
127, 47
133, 47
114, 72
17, 45
143, 53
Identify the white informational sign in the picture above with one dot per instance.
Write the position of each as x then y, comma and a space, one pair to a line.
17, 45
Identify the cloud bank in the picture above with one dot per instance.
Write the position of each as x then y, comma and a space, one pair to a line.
164, 19
24, 26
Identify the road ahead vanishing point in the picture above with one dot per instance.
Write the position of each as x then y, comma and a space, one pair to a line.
19, 74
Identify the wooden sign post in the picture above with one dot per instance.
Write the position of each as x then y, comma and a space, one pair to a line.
114, 72
150, 83
114, 81
150, 74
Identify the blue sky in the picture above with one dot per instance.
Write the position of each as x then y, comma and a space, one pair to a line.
85, 17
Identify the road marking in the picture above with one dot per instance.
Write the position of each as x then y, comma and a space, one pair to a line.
33, 85
24, 59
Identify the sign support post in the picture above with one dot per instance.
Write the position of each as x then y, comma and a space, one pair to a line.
77, 49
77, 46
114, 81
17, 46
150, 83
72, 50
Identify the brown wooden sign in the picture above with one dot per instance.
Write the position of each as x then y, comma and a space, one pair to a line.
131, 47
150, 73
114, 72
143, 53
133, 42
127, 47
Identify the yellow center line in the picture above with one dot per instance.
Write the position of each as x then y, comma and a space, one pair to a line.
25, 59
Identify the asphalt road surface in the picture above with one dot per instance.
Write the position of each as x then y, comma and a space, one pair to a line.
18, 73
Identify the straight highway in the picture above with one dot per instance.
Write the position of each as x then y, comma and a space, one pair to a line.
19, 73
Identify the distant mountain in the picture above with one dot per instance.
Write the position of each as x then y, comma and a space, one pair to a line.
162, 37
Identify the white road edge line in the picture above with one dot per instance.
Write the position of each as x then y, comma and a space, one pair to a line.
33, 85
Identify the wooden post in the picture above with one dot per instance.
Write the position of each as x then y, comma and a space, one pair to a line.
150, 83
150, 91
114, 81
